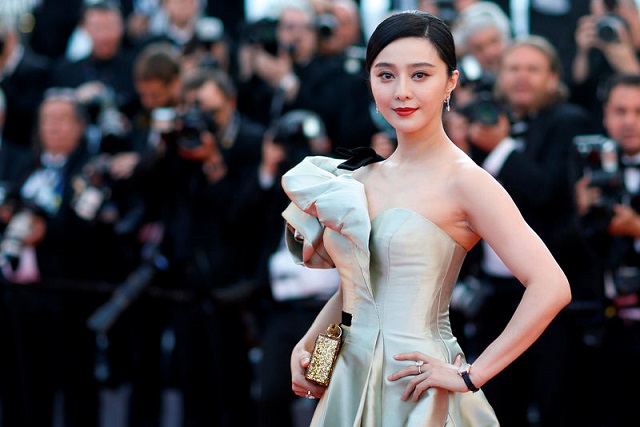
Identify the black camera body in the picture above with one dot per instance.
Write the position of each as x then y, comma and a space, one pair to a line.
264, 33
484, 109
297, 131
598, 158
103, 111
194, 121
16, 231
92, 188
185, 127
326, 24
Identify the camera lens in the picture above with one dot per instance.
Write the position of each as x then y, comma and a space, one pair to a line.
326, 24
484, 109
607, 29
487, 113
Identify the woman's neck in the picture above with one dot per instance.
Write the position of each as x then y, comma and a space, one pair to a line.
416, 146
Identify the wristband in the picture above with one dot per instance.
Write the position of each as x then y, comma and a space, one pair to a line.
464, 373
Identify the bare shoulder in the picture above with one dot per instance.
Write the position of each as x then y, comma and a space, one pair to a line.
478, 194
467, 176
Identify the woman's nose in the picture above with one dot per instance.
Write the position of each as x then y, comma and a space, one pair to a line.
403, 88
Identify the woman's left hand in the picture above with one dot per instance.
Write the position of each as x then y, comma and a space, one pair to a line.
432, 373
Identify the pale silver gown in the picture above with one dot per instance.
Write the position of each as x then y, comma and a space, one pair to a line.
397, 271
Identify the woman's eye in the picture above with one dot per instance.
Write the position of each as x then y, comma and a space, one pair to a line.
385, 76
420, 75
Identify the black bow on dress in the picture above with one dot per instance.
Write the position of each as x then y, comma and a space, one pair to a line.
358, 157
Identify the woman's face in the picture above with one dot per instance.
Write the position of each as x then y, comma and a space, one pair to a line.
410, 83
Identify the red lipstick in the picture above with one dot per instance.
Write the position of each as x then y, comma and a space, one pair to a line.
404, 111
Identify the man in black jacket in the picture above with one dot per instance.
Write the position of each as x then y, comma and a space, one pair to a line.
611, 216
277, 76
104, 79
189, 178
55, 247
24, 75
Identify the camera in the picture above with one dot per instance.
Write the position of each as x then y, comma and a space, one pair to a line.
187, 126
92, 188
208, 33
483, 109
473, 76
17, 230
298, 131
626, 280
598, 159
104, 113
194, 122
447, 10
607, 28
326, 24
470, 295
264, 33
209, 30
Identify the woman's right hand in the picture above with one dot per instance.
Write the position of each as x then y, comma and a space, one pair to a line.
299, 384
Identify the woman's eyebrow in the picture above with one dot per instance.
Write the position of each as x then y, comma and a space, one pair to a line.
415, 65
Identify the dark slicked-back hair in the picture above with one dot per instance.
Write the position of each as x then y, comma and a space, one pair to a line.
158, 61
414, 24
632, 80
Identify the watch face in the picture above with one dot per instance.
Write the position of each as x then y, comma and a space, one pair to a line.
464, 369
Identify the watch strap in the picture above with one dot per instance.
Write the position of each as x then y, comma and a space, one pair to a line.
468, 382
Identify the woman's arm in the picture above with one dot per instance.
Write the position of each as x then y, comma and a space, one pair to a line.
492, 215
301, 354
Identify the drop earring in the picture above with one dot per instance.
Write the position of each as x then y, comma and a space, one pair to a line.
446, 101
377, 111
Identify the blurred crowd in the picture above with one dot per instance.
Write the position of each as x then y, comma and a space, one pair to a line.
142, 144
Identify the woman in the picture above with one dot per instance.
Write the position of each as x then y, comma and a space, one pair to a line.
398, 230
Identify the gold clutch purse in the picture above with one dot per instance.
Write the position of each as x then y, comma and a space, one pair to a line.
325, 353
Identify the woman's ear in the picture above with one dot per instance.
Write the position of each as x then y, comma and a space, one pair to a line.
453, 81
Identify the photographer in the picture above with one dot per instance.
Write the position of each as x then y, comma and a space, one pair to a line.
529, 150
51, 259
616, 244
339, 28
280, 70
24, 76
190, 180
482, 31
608, 42
103, 79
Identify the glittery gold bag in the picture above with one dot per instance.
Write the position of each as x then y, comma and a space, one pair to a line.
325, 353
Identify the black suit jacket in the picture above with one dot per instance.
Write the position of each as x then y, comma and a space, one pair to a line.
23, 89
15, 160
116, 73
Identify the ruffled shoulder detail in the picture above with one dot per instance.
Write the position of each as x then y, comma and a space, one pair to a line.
322, 196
